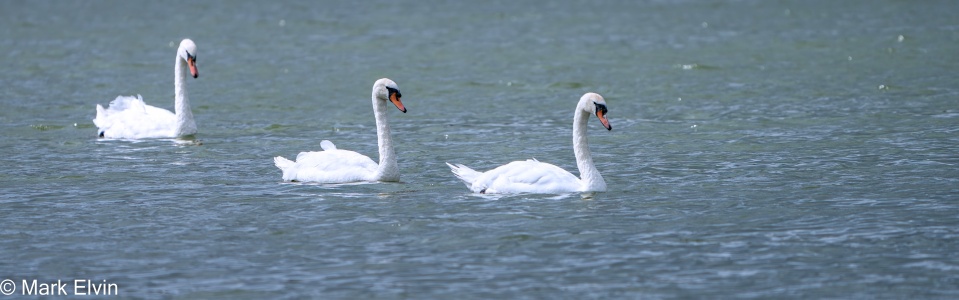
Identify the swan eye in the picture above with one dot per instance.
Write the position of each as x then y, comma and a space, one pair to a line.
600, 108
394, 91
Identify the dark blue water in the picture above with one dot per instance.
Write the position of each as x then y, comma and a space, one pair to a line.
788, 149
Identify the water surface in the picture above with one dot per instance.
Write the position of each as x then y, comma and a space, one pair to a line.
760, 149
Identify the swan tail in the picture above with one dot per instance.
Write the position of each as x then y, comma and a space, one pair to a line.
101, 112
464, 173
283, 163
101, 120
101, 116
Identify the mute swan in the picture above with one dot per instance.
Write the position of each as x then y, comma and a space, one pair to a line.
532, 176
131, 118
333, 165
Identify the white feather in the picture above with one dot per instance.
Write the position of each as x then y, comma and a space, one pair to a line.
131, 118
333, 165
532, 176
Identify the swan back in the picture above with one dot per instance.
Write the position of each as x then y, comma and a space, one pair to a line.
529, 176
128, 117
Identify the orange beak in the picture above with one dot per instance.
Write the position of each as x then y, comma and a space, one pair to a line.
602, 118
396, 101
192, 62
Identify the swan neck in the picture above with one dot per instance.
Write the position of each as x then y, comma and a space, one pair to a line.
388, 169
589, 175
185, 125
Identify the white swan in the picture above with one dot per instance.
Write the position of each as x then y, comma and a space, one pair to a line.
341, 166
532, 176
130, 118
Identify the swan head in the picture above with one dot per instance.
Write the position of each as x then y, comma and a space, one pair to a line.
594, 104
187, 52
387, 90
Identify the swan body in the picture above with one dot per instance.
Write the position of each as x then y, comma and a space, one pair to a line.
533, 176
129, 117
334, 165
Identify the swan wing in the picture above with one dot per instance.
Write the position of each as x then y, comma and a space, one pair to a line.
123, 103
529, 176
130, 117
328, 166
327, 145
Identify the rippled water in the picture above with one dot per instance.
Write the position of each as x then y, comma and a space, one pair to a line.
769, 149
